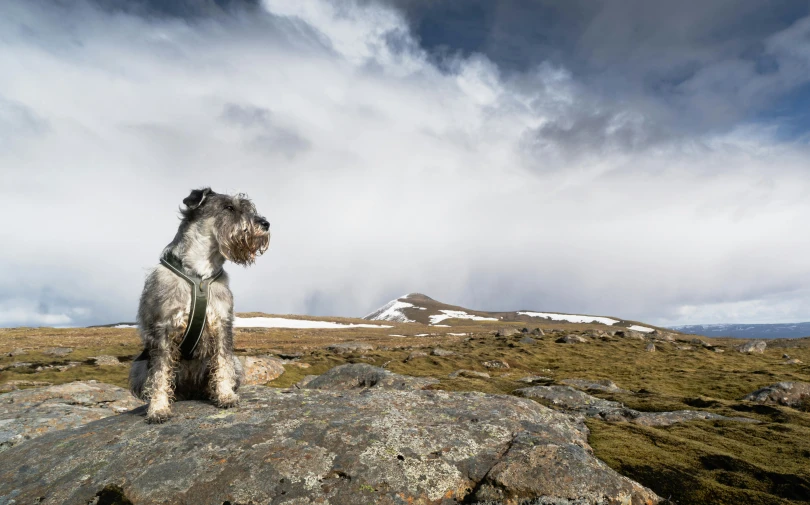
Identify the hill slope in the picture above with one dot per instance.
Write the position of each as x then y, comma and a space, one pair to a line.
419, 308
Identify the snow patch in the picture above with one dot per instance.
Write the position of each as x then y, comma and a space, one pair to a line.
125, 326
456, 314
571, 318
643, 329
280, 322
457, 334
392, 311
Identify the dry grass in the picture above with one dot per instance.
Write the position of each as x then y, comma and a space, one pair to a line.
701, 462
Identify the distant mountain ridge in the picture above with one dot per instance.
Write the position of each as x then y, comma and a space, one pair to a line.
419, 308
751, 331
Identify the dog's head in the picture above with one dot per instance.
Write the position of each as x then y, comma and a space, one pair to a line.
232, 221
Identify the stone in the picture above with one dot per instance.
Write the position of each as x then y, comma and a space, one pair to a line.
752, 347
17, 352
106, 361
30, 413
260, 370
537, 332
536, 379
507, 332
571, 339
496, 363
470, 374
568, 399
684, 347
790, 394
16, 364
306, 380
363, 376
785, 356
527, 340
350, 347
416, 355
442, 352
650, 347
338, 447
59, 352
605, 385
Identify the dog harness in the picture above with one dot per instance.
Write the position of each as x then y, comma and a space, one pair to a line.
199, 304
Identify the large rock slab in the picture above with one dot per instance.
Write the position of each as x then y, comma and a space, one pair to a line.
360, 375
568, 399
791, 394
313, 446
260, 370
29, 413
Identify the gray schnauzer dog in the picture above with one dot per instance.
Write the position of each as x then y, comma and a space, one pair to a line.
188, 346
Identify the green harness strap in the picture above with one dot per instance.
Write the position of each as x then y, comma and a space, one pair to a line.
199, 303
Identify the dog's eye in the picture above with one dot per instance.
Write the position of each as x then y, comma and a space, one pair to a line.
229, 208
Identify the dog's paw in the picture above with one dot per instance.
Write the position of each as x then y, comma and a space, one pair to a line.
158, 417
227, 401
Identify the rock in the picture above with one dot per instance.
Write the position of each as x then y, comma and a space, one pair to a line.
536, 379
650, 347
442, 352
106, 361
288, 355
29, 413
496, 363
595, 385
57, 351
527, 340
507, 332
570, 400
415, 355
306, 380
785, 356
794, 361
752, 347
16, 352
684, 347
349, 347
718, 350
16, 364
260, 370
343, 448
791, 394
697, 341
470, 374
361, 376
17, 384
663, 335
635, 334
571, 339
537, 332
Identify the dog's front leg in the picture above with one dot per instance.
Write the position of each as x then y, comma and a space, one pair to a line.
223, 373
159, 383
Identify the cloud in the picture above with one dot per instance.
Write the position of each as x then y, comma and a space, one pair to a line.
383, 169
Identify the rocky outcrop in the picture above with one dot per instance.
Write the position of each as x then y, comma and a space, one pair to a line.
791, 394
571, 400
260, 370
605, 385
29, 413
360, 376
752, 347
314, 446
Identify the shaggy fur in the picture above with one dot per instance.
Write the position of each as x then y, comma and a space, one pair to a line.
214, 228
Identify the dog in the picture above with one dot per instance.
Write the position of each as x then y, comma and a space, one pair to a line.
185, 314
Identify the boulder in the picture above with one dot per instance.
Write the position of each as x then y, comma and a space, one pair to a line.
470, 374
416, 354
496, 364
606, 385
507, 332
59, 352
571, 339
308, 446
362, 376
349, 347
570, 400
791, 394
106, 361
752, 347
442, 352
537, 332
260, 370
527, 340
650, 347
29, 413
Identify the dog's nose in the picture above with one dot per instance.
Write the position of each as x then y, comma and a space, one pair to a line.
264, 223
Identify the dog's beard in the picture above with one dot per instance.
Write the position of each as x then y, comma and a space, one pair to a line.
242, 246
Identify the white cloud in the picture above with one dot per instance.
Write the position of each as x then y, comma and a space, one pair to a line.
379, 172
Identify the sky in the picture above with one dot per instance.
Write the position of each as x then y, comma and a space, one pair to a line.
628, 158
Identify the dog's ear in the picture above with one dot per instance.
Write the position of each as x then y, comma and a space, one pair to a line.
197, 197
